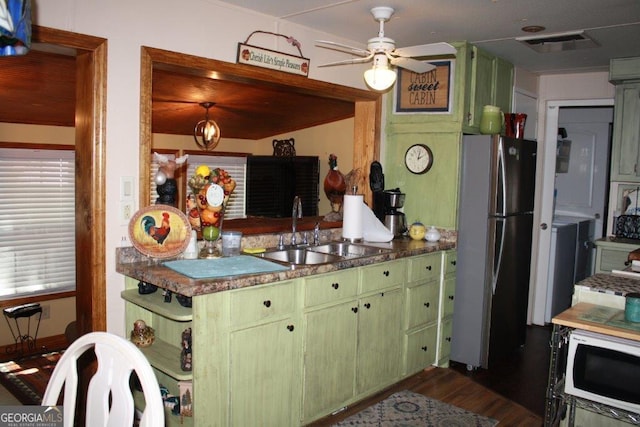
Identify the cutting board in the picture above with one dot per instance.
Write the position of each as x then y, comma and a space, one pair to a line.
223, 267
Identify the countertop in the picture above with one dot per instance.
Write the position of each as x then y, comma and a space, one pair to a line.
610, 284
132, 263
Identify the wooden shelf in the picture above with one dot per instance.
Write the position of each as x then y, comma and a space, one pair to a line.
155, 302
166, 358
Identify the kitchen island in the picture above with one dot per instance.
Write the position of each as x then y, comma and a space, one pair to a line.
289, 347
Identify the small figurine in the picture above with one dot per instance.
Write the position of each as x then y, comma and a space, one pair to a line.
185, 355
145, 288
166, 185
142, 335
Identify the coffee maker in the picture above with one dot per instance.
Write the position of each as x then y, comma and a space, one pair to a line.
394, 220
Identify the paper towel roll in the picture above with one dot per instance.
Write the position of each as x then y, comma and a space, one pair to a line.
352, 216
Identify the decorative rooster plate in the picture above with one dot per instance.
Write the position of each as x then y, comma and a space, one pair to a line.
160, 231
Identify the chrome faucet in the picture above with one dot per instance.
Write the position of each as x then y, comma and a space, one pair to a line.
296, 213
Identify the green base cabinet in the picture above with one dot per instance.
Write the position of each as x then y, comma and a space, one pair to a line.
291, 352
447, 298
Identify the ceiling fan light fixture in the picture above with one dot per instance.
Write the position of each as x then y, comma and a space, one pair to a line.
380, 77
207, 132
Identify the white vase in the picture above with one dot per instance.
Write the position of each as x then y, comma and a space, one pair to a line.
432, 235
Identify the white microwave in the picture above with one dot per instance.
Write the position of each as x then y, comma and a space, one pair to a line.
604, 369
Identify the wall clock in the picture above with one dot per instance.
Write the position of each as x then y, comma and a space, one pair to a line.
418, 159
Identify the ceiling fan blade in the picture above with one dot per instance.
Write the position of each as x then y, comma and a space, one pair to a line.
348, 61
433, 49
412, 65
342, 47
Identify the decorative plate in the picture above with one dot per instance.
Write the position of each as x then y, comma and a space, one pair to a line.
160, 231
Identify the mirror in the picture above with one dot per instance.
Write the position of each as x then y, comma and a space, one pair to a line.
326, 102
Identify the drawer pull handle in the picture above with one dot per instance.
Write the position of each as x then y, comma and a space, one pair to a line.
367, 306
290, 328
335, 285
448, 339
386, 273
453, 263
354, 309
451, 297
424, 348
267, 303
427, 304
428, 267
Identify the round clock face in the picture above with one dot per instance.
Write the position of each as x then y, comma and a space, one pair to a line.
418, 158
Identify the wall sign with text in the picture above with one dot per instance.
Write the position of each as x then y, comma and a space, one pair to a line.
430, 92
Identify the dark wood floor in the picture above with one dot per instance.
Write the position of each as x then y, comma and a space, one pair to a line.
511, 391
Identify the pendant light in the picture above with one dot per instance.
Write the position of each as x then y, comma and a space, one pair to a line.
380, 77
207, 132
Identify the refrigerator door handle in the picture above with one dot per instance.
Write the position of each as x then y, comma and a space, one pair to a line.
502, 178
498, 257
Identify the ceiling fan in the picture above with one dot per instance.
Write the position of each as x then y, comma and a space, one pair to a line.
382, 51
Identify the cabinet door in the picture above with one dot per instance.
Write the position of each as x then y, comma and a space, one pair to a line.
329, 358
379, 340
503, 84
481, 85
422, 304
262, 374
444, 350
421, 349
626, 134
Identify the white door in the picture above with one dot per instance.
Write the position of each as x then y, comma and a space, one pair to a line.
582, 189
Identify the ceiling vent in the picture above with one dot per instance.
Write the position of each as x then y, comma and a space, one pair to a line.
559, 42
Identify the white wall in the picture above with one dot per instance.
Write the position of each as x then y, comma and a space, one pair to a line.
204, 28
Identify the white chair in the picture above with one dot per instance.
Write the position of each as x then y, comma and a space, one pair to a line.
109, 397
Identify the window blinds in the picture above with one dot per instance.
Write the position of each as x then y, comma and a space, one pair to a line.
37, 222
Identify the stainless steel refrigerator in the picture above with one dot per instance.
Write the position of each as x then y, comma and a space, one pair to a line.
494, 248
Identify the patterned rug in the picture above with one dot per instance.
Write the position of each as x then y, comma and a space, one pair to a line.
406, 409
27, 378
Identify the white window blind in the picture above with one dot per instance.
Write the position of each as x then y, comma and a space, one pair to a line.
236, 167
37, 222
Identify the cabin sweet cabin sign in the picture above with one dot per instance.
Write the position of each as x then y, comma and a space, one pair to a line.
429, 92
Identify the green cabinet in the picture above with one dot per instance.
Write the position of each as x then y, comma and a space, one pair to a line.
612, 255
263, 356
625, 159
447, 299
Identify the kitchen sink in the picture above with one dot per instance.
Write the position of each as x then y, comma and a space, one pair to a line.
349, 250
300, 256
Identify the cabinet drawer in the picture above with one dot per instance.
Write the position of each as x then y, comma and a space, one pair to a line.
612, 259
448, 296
421, 349
450, 261
255, 304
425, 267
382, 276
330, 287
422, 305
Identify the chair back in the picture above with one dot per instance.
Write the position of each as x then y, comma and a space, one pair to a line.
109, 397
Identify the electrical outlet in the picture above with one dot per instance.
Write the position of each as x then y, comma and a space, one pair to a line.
126, 211
46, 311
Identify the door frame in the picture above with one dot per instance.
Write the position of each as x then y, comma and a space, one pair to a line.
544, 215
90, 178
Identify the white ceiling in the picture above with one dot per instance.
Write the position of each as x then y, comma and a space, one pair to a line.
490, 24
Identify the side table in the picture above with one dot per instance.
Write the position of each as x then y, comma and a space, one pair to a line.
27, 311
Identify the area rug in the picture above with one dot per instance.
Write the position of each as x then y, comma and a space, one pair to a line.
27, 378
406, 409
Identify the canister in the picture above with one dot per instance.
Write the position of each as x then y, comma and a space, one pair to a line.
632, 307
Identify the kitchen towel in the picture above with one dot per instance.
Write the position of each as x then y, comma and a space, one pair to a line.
352, 216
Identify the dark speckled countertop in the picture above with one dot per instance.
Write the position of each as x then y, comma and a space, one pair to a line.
132, 263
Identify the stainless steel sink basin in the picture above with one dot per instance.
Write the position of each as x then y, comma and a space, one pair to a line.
348, 250
300, 256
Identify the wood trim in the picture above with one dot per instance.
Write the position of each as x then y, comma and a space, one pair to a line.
45, 344
91, 68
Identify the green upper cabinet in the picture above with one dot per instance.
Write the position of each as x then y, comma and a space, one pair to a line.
625, 157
